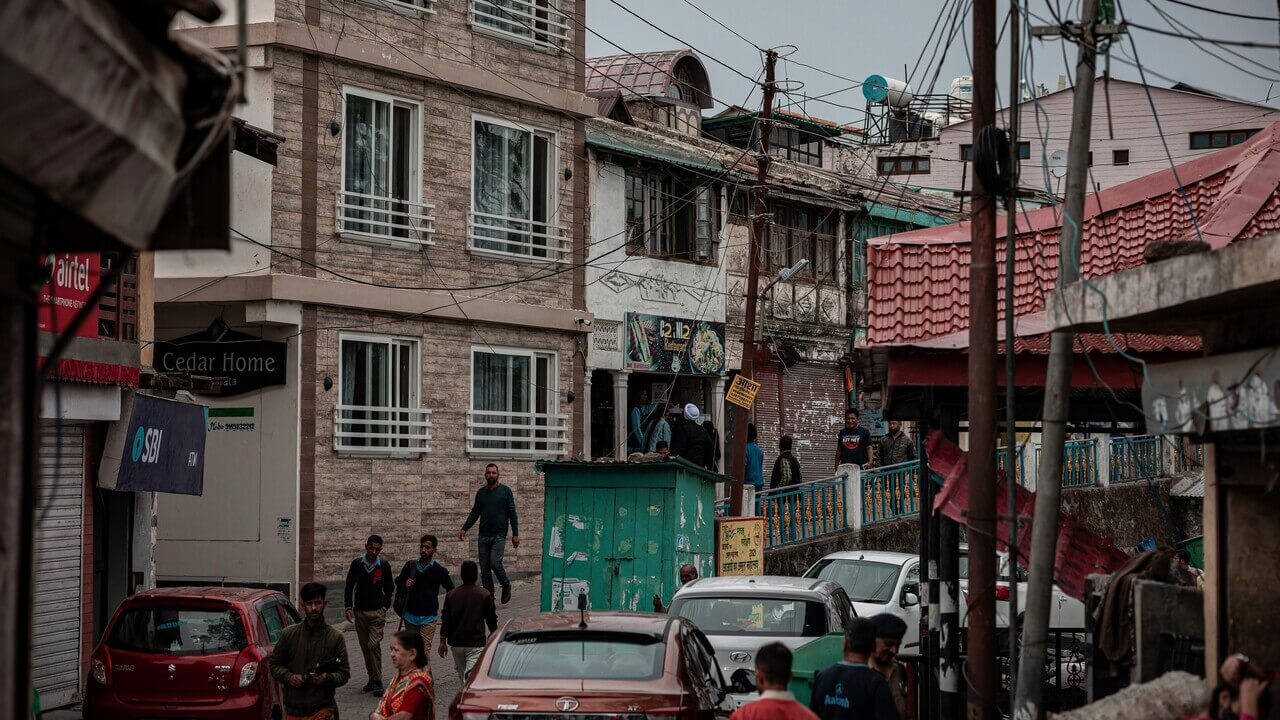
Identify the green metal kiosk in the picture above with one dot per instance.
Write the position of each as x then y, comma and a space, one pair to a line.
620, 531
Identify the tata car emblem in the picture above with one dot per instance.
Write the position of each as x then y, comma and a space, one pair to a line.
172, 667
567, 704
740, 657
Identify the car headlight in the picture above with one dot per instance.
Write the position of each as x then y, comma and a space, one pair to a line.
248, 673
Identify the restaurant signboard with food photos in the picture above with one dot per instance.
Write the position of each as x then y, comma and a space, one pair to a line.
660, 344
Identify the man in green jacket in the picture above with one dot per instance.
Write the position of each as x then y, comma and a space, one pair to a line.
310, 661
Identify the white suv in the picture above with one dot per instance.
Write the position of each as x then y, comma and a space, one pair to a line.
739, 615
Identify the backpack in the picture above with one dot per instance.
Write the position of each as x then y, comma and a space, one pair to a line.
402, 593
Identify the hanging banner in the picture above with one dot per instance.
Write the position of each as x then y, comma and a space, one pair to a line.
740, 546
244, 362
159, 449
742, 392
657, 343
73, 277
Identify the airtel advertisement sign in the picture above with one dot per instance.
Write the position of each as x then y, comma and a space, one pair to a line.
72, 279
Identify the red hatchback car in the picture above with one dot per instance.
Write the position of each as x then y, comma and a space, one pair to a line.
189, 652
622, 666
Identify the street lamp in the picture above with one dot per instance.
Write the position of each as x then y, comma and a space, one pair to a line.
786, 274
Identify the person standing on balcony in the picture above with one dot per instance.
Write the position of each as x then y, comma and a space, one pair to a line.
786, 469
495, 508
896, 447
853, 442
635, 420
690, 440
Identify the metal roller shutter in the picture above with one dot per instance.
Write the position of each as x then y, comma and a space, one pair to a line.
815, 402
58, 565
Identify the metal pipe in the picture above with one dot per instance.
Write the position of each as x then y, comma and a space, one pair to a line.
1057, 386
981, 664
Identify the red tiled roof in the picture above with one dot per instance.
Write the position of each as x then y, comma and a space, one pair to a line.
644, 74
919, 281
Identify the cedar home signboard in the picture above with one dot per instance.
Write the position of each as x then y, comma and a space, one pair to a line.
244, 362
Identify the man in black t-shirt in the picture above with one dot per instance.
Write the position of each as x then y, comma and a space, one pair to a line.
853, 445
851, 689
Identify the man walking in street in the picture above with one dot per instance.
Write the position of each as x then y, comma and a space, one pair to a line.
367, 596
851, 689
421, 581
890, 629
786, 469
773, 675
853, 443
310, 661
688, 574
896, 447
754, 474
495, 508
469, 616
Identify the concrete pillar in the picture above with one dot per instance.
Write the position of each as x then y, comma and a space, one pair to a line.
852, 495
586, 412
620, 412
1104, 459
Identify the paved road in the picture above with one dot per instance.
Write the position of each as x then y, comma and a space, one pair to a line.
356, 705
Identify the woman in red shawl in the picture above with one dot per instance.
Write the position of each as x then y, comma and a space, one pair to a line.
410, 695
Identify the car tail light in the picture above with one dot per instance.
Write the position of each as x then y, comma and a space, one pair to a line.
100, 667
469, 712
248, 673
1002, 592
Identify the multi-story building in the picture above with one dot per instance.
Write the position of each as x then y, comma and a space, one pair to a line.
1125, 143
403, 301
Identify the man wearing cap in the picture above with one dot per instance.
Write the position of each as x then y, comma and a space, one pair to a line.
690, 440
890, 630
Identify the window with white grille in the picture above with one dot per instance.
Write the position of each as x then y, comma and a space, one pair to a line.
536, 22
378, 408
515, 404
380, 199
513, 193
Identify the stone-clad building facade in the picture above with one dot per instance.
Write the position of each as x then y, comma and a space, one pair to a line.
417, 247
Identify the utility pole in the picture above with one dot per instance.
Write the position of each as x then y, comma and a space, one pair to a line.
1010, 411
759, 226
1057, 386
981, 666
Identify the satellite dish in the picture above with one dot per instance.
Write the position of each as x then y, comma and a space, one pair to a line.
1058, 164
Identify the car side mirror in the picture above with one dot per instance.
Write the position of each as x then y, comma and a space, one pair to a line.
742, 681
909, 599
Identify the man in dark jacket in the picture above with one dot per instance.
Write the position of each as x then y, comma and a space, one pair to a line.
495, 508
468, 617
690, 440
851, 689
421, 581
786, 469
367, 596
310, 660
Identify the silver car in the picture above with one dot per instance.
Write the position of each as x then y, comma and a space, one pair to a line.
739, 615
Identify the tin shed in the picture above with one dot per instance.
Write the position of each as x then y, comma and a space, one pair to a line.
621, 530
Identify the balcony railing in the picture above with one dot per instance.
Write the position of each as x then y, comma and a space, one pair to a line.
385, 219
536, 22
1188, 455
1079, 463
891, 492
118, 308
1019, 472
517, 434
802, 512
518, 238
1136, 458
373, 429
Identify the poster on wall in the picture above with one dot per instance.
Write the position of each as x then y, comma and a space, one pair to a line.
740, 546
656, 343
72, 279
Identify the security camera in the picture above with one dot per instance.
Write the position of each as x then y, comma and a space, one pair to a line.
584, 322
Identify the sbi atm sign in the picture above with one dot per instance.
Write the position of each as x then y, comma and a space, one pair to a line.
164, 447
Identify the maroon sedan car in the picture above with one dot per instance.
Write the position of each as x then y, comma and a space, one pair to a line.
189, 652
621, 665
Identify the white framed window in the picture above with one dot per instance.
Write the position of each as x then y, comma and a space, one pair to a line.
377, 410
513, 192
515, 404
535, 22
380, 199
405, 7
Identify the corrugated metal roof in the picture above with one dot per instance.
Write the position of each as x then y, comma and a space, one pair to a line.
1188, 487
919, 281
646, 74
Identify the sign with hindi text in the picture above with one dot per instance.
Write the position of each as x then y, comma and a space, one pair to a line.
742, 392
740, 546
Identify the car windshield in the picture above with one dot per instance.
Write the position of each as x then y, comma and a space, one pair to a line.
775, 617
578, 656
865, 581
179, 630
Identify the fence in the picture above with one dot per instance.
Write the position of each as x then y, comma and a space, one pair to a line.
1019, 472
1079, 463
891, 492
1187, 456
1136, 458
803, 512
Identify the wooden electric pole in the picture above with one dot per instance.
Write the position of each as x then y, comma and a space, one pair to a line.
1010, 331
1057, 387
759, 228
981, 667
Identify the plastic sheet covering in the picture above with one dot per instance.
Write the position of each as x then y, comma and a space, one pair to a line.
91, 111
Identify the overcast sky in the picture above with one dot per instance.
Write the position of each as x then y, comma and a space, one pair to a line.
856, 38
